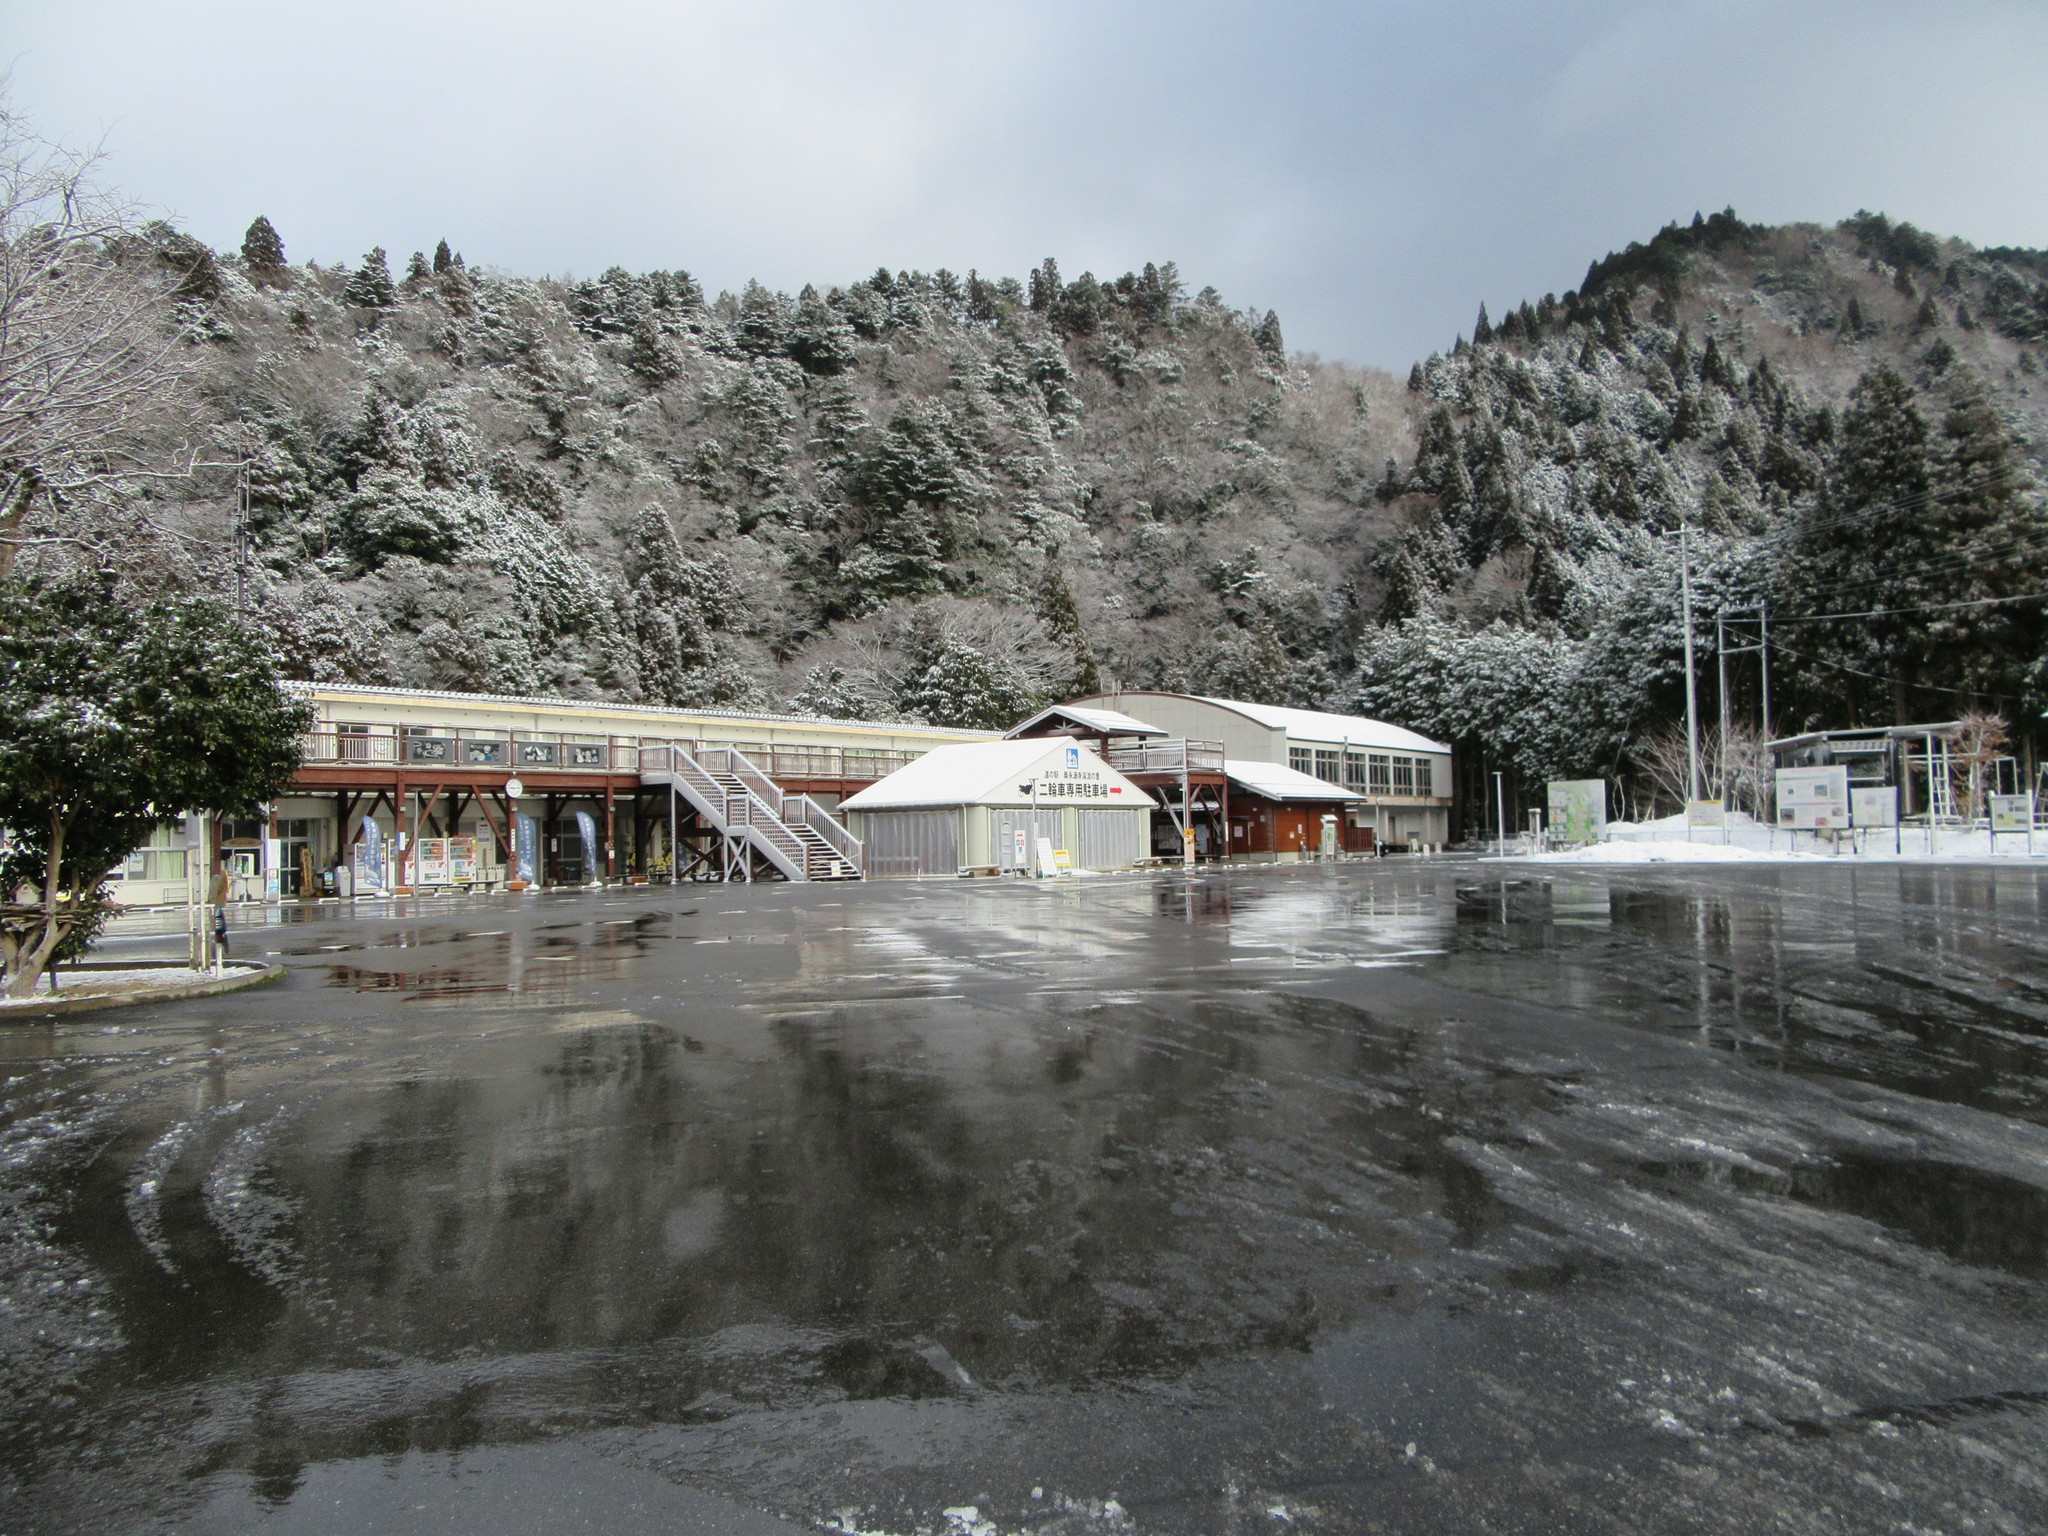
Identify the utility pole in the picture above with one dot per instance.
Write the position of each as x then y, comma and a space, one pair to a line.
1721, 664
1763, 651
244, 510
1692, 705
1500, 815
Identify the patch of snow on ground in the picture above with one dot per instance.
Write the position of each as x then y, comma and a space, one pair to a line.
1645, 851
107, 983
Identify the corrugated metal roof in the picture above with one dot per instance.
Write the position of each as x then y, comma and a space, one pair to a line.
988, 773
1278, 783
1314, 725
1108, 721
646, 711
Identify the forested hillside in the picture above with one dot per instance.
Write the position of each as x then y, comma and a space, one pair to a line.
952, 497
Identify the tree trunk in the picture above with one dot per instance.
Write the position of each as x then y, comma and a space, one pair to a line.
34, 959
11, 521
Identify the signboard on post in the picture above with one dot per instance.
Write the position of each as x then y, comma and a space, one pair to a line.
2012, 813
1875, 805
1578, 810
1706, 813
1813, 799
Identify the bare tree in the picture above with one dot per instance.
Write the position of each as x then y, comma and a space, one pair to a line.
91, 368
1748, 782
1977, 743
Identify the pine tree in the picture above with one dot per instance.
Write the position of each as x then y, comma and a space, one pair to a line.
1269, 339
417, 273
1482, 329
1416, 382
1864, 539
262, 250
966, 689
370, 286
444, 260
1063, 618
1045, 286
829, 693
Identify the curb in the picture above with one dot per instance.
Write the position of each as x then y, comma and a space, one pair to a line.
240, 974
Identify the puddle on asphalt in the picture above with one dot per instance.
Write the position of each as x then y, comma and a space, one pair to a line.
921, 1162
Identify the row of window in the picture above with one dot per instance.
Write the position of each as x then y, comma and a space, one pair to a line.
1370, 773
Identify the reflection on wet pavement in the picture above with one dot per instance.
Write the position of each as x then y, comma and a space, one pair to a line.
1397, 1197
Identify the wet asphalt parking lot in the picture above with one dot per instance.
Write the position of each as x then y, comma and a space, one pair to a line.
1414, 1196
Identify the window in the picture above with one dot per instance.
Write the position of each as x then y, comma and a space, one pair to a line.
1404, 776
1425, 783
1302, 759
1327, 769
1354, 770
1378, 777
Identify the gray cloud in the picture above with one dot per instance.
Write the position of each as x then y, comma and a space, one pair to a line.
1371, 170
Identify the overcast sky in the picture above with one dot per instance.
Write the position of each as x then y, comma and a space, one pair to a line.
1370, 170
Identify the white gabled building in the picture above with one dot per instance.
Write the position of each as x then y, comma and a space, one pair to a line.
1403, 780
984, 805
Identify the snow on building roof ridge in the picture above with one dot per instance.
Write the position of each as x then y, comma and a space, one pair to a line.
1333, 726
534, 701
971, 772
1112, 722
1282, 783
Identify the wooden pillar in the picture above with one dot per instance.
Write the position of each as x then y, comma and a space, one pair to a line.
611, 864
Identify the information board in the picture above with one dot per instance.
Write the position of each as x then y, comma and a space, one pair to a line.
1706, 813
1813, 799
1577, 810
1875, 805
2012, 813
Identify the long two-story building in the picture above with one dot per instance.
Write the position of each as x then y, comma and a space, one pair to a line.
402, 788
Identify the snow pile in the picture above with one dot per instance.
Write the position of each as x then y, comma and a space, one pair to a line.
107, 983
1659, 851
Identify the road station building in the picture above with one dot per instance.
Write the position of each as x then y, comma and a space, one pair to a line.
404, 789
1389, 787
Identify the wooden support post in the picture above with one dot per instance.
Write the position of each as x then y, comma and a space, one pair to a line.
611, 867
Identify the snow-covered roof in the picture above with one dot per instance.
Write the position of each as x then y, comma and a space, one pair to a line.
1109, 722
647, 711
1278, 783
1314, 725
988, 773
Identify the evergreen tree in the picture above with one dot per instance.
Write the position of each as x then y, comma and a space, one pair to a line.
370, 286
1045, 286
1863, 542
417, 273
1482, 329
445, 260
820, 340
262, 250
966, 689
1269, 339
1063, 618
829, 693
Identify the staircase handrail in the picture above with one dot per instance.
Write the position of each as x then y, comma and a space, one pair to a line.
748, 773
831, 829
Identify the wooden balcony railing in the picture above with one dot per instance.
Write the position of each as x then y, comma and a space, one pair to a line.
428, 748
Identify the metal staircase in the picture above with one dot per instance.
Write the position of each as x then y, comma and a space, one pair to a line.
752, 817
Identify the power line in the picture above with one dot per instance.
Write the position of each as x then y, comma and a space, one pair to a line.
1961, 693
1880, 613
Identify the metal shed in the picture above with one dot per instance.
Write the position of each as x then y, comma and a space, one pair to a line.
984, 805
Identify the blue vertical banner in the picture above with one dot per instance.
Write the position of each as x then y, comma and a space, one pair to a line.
369, 858
593, 870
526, 847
